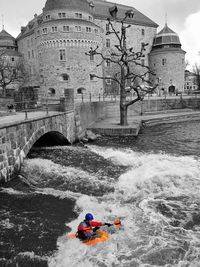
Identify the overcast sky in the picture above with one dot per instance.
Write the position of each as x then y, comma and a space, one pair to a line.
183, 17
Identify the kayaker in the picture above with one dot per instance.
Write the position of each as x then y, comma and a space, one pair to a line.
87, 228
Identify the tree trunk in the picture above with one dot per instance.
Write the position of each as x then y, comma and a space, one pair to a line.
123, 115
123, 107
3, 90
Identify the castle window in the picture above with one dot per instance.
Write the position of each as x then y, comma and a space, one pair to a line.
65, 77
38, 33
95, 30
81, 90
48, 17
108, 43
62, 15
51, 91
54, 29
88, 29
78, 15
142, 62
91, 57
62, 55
44, 30
164, 61
32, 53
12, 59
90, 18
108, 81
107, 27
78, 28
107, 62
66, 28
29, 54
143, 32
28, 43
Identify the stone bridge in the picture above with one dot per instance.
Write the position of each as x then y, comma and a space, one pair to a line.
16, 139
19, 135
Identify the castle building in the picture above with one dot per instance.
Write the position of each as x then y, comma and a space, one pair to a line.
9, 57
54, 46
167, 61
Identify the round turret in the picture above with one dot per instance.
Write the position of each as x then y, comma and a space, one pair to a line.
167, 61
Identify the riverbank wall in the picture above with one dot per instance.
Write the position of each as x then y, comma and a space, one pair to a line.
153, 105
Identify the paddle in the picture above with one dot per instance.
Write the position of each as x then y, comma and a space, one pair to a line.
116, 223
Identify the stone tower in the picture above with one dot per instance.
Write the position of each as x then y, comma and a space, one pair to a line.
58, 40
167, 61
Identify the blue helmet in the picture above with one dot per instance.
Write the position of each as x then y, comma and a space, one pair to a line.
89, 217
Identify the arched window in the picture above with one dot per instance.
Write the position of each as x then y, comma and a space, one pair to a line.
65, 77
51, 91
81, 90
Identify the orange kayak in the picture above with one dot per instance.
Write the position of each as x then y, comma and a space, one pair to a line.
102, 237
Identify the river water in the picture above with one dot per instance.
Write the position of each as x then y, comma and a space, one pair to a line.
152, 183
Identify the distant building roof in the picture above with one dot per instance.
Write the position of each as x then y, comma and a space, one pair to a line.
166, 37
6, 40
102, 11
79, 5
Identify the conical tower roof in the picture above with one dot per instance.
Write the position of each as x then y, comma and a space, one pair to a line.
166, 37
6, 39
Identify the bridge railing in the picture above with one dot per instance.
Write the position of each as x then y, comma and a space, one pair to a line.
44, 106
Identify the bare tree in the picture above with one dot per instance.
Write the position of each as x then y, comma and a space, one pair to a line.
11, 72
125, 62
196, 71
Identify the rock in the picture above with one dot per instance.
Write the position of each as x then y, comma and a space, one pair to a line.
90, 135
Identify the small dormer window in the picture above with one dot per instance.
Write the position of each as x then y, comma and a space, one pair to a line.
91, 4
48, 17
129, 14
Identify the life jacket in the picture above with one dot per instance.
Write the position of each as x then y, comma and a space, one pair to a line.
84, 230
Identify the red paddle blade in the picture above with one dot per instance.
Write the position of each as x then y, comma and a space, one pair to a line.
117, 223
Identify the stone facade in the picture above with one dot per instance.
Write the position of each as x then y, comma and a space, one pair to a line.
169, 66
53, 45
17, 139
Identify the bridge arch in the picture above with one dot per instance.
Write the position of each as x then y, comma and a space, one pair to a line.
20, 137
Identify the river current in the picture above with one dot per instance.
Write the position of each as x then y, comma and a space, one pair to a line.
152, 183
